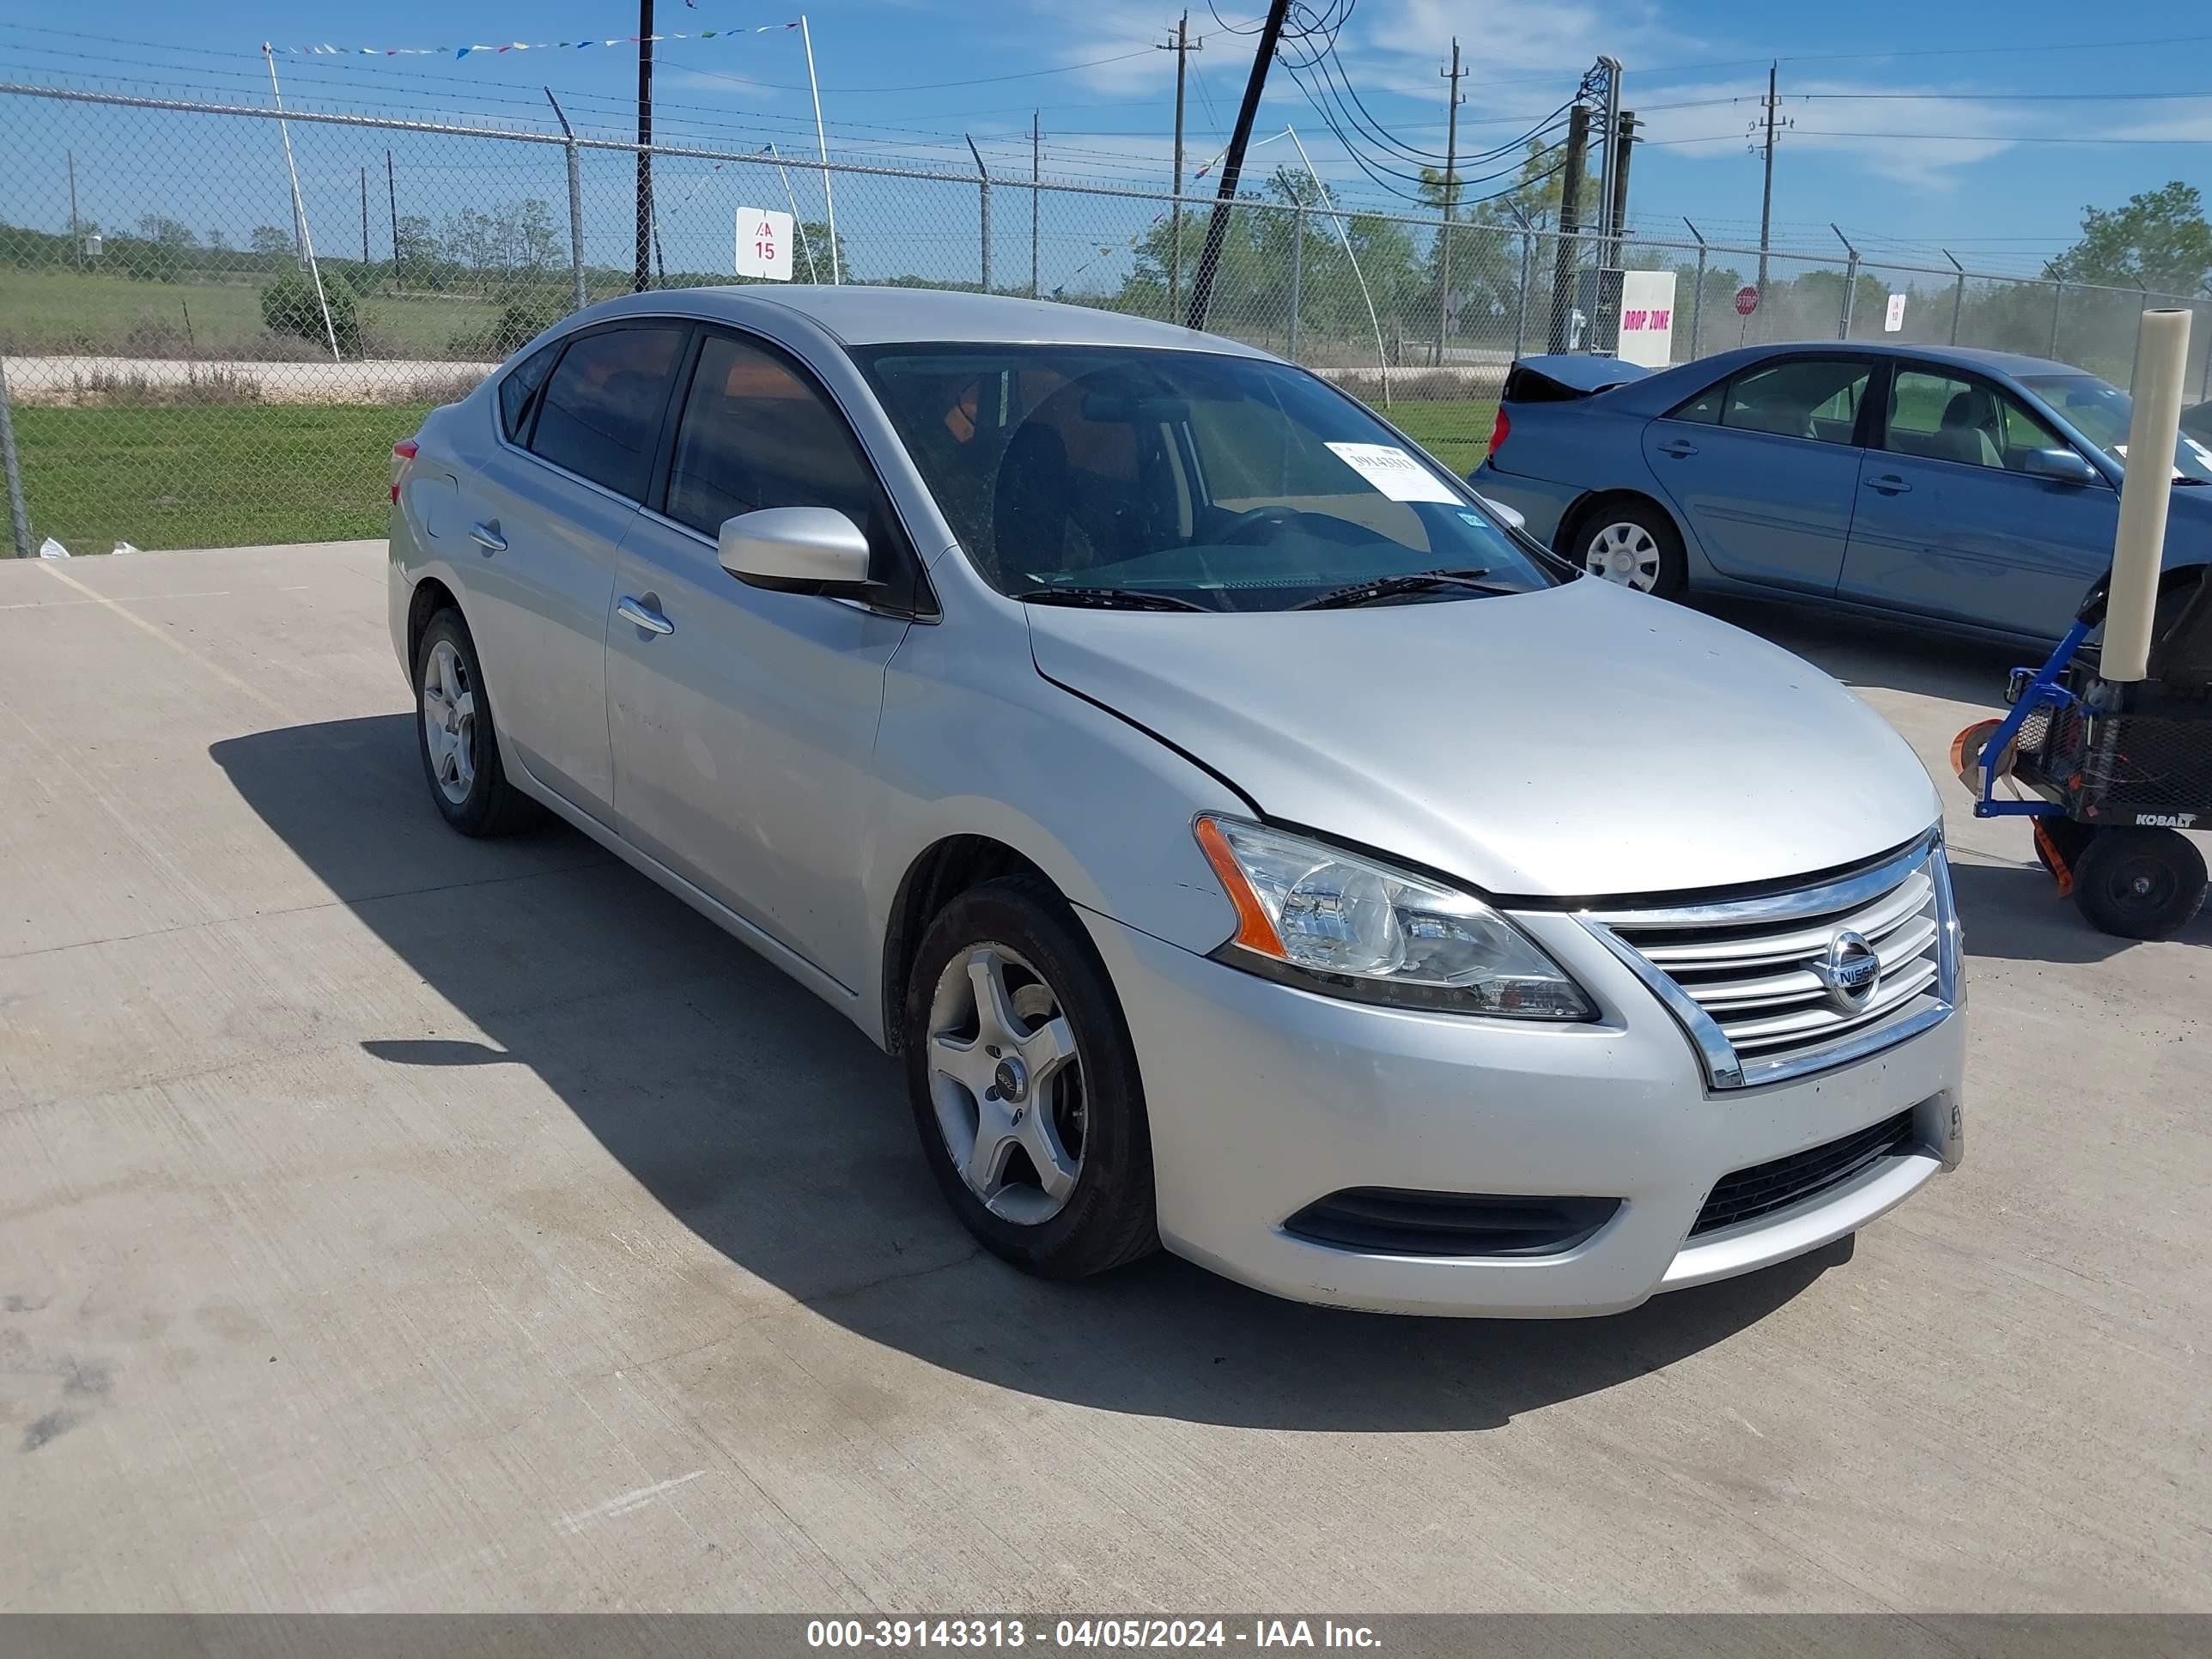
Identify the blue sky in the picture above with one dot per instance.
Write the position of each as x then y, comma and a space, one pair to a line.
1947, 164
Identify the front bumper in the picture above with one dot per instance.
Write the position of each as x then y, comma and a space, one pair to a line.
1264, 1099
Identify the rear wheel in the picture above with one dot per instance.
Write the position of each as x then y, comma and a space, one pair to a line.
454, 732
2140, 883
1633, 544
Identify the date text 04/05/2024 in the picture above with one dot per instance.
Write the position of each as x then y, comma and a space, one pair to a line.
1087, 1633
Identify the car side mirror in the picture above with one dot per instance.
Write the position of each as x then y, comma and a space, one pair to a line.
2060, 466
796, 550
1515, 519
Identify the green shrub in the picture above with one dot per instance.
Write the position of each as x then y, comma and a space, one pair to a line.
288, 306
521, 320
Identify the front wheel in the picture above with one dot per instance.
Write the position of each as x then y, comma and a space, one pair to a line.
1632, 543
2140, 883
1024, 1084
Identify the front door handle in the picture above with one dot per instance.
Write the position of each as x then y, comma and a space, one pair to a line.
1890, 484
1678, 448
487, 537
632, 611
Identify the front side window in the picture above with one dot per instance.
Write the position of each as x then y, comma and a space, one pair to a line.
602, 406
1948, 417
754, 434
1224, 483
1816, 397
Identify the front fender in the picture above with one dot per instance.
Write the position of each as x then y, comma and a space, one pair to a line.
974, 741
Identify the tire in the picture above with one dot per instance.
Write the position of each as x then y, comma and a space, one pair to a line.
1631, 542
1070, 1076
2140, 883
456, 739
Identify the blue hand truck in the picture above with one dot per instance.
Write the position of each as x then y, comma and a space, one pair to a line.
2110, 774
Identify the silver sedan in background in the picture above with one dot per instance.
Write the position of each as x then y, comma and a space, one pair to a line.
1198, 786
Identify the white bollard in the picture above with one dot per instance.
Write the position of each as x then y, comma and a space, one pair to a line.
2162, 362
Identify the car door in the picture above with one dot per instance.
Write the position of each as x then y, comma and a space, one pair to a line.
545, 512
1951, 524
1764, 467
744, 719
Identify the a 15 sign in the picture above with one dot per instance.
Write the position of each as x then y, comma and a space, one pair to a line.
764, 244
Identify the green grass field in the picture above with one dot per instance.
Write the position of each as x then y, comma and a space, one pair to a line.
232, 475
63, 311
1456, 431
224, 477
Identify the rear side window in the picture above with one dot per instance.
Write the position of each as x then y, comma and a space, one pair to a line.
1813, 398
1704, 409
519, 392
603, 405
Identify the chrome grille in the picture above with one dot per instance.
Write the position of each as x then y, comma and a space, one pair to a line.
1750, 978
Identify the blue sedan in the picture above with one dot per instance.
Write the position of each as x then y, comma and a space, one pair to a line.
1975, 488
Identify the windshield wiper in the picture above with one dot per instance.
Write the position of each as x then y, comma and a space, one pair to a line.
1418, 581
1108, 599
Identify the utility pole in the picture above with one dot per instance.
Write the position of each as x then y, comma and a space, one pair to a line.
1767, 194
1181, 47
1232, 168
76, 234
364, 223
1624, 138
1037, 177
1453, 99
642, 277
1571, 209
1610, 68
392, 196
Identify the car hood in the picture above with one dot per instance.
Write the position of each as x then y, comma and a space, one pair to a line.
1578, 741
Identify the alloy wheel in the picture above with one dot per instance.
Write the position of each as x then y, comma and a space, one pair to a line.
1006, 1083
449, 721
1623, 553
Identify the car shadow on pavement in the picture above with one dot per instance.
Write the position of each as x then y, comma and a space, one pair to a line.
779, 1135
2013, 911
1898, 656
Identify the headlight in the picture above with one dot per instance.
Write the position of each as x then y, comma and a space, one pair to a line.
1331, 921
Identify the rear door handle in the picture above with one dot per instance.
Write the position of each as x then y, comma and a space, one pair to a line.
487, 537
1678, 448
631, 611
1890, 484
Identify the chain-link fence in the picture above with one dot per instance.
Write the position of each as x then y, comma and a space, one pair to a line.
214, 324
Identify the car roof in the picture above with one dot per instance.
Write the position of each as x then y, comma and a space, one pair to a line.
2002, 362
858, 315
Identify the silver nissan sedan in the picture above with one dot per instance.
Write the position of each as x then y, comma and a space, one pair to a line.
1251, 843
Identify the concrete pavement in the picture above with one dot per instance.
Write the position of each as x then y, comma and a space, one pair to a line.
393, 1221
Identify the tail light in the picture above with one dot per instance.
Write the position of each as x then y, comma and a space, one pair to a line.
1500, 430
402, 453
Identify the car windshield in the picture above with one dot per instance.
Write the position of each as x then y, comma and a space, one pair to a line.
2100, 412
1184, 480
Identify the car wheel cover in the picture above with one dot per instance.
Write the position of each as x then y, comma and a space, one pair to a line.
1624, 552
449, 722
1006, 1083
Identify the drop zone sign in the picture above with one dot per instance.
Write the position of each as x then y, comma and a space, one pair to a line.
764, 244
1647, 317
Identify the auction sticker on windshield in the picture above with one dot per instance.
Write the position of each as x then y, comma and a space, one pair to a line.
1394, 472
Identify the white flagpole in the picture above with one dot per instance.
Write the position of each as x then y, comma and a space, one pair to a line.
298, 208
804, 246
1381, 357
822, 143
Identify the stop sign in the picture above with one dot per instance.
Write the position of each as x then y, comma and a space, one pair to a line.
1746, 301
